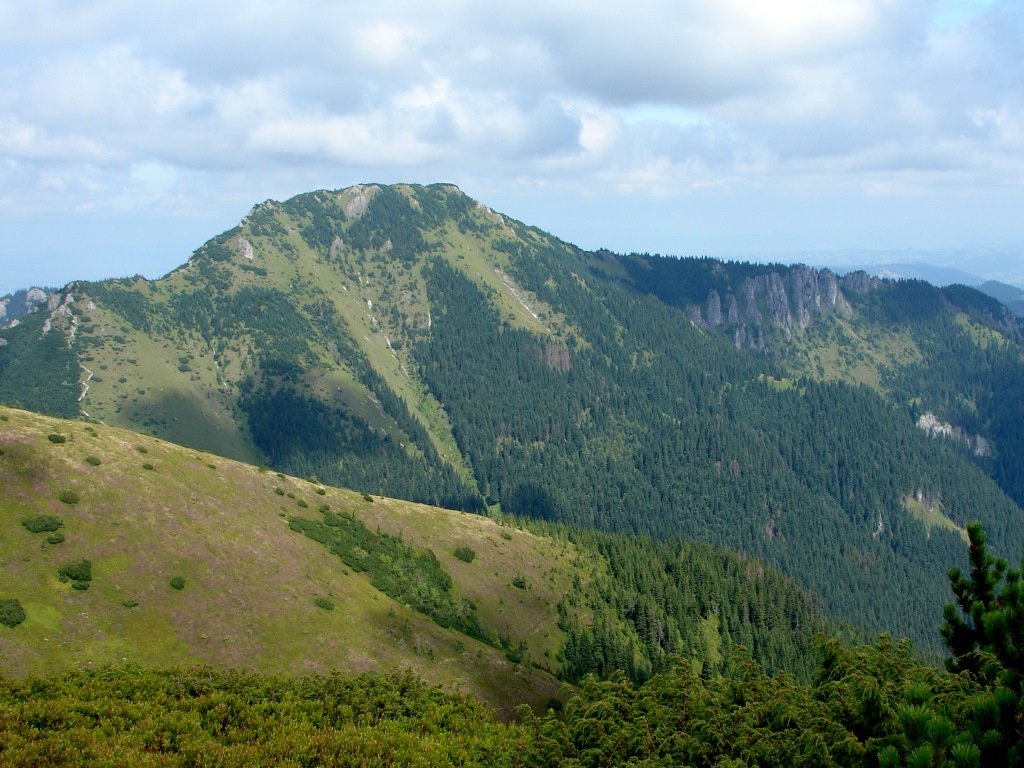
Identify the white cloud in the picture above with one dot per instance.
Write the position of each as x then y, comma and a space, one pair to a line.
110, 104
385, 43
363, 140
19, 141
600, 130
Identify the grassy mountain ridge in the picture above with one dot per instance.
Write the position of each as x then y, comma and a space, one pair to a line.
408, 341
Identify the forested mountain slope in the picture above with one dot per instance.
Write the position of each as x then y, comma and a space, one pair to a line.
409, 341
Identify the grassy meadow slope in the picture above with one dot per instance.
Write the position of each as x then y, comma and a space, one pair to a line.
149, 511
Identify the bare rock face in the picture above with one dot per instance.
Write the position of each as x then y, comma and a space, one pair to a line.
788, 302
803, 283
749, 293
25, 302
934, 427
556, 355
246, 248
777, 302
813, 292
360, 199
734, 310
860, 282
714, 309
831, 294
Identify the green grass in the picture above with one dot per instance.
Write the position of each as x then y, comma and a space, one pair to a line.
251, 583
196, 413
836, 348
931, 515
980, 336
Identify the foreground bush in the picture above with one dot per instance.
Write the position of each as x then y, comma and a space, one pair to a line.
205, 717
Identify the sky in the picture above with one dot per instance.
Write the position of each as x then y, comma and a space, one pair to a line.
811, 130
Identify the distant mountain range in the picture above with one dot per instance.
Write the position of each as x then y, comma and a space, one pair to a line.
1010, 295
407, 341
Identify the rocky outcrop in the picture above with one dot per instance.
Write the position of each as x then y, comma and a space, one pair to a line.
931, 424
246, 248
713, 311
788, 302
359, 200
21, 303
556, 355
860, 282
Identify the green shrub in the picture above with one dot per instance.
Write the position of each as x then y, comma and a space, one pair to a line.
279, 491
411, 576
79, 574
54, 438
367, 497
42, 523
178, 582
321, 492
69, 497
11, 612
141, 449
506, 535
147, 465
93, 460
465, 554
80, 571
129, 602
302, 503
519, 582
323, 602
55, 538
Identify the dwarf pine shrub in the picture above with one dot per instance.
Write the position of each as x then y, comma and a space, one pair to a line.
11, 612
79, 574
42, 523
324, 603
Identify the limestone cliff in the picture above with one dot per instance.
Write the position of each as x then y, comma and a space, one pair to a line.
786, 302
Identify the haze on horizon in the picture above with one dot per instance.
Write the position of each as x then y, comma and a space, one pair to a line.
131, 133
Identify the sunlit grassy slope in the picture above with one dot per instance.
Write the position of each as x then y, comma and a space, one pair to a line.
149, 511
